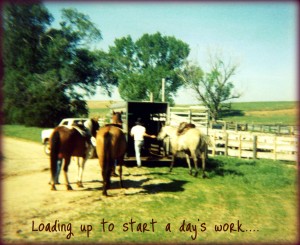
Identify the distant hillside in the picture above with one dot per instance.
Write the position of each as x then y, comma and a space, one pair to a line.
279, 112
99, 104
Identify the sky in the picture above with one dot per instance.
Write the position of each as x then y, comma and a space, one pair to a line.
261, 38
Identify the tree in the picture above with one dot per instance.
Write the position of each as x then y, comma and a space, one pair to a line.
214, 87
23, 25
141, 65
48, 71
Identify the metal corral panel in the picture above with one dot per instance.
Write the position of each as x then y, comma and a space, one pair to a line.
153, 116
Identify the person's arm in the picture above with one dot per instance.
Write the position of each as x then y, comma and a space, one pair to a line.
131, 132
150, 136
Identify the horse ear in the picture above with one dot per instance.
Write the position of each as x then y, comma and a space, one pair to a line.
121, 112
114, 113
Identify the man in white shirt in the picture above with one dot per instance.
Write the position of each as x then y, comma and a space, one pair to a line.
139, 132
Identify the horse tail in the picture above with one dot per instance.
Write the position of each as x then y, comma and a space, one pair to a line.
54, 146
107, 161
207, 140
107, 148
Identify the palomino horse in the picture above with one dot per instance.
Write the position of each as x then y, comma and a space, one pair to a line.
111, 146
70, 141
192, 142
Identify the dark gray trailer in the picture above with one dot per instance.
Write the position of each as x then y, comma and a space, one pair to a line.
153, 116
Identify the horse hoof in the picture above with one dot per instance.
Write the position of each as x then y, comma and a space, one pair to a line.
69, 188
79, 184
53, 188
196, 174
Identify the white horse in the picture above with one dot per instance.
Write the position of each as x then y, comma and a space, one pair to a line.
193, 143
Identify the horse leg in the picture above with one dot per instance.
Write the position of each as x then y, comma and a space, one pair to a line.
106, 172
172, 163
59, 164
121, 160
187, 157
203, 156
66, 166
53, 177
104, 191
55, 174
80, 165
195, 159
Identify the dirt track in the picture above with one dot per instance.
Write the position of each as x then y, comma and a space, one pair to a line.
26, 194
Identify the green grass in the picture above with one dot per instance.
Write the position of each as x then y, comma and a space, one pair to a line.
261, 112
98, 112
262, 106
261, 195
22, 132
268, 119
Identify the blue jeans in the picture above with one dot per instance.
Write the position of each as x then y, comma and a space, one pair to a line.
137, 147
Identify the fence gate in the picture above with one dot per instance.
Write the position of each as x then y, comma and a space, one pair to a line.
197, 115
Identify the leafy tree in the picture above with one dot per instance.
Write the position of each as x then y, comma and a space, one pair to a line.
49, 71
141, 65
214, 87
23, 25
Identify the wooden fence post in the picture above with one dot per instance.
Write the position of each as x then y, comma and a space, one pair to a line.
214, 144
226, 144
190, 116
240, 146
254, 146
275, 147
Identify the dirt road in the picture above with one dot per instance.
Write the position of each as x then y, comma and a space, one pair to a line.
26, 195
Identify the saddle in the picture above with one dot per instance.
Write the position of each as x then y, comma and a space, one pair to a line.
85, 133
183, 127
81, 129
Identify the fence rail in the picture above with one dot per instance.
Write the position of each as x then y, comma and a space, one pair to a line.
197, 115
264, 128
253, 145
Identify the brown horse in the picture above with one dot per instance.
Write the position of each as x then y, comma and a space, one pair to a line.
70, 141
111, 147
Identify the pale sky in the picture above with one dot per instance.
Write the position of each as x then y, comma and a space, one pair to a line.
260, 37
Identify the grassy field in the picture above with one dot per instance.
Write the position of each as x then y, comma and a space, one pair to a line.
263, 113
22, 132
258, 197
99, 108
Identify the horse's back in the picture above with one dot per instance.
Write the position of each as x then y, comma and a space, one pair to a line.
71, 142
190, 140
116, 137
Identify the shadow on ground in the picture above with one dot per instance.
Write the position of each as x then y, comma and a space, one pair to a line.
144, 183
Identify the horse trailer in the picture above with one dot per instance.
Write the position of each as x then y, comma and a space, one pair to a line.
153, 116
